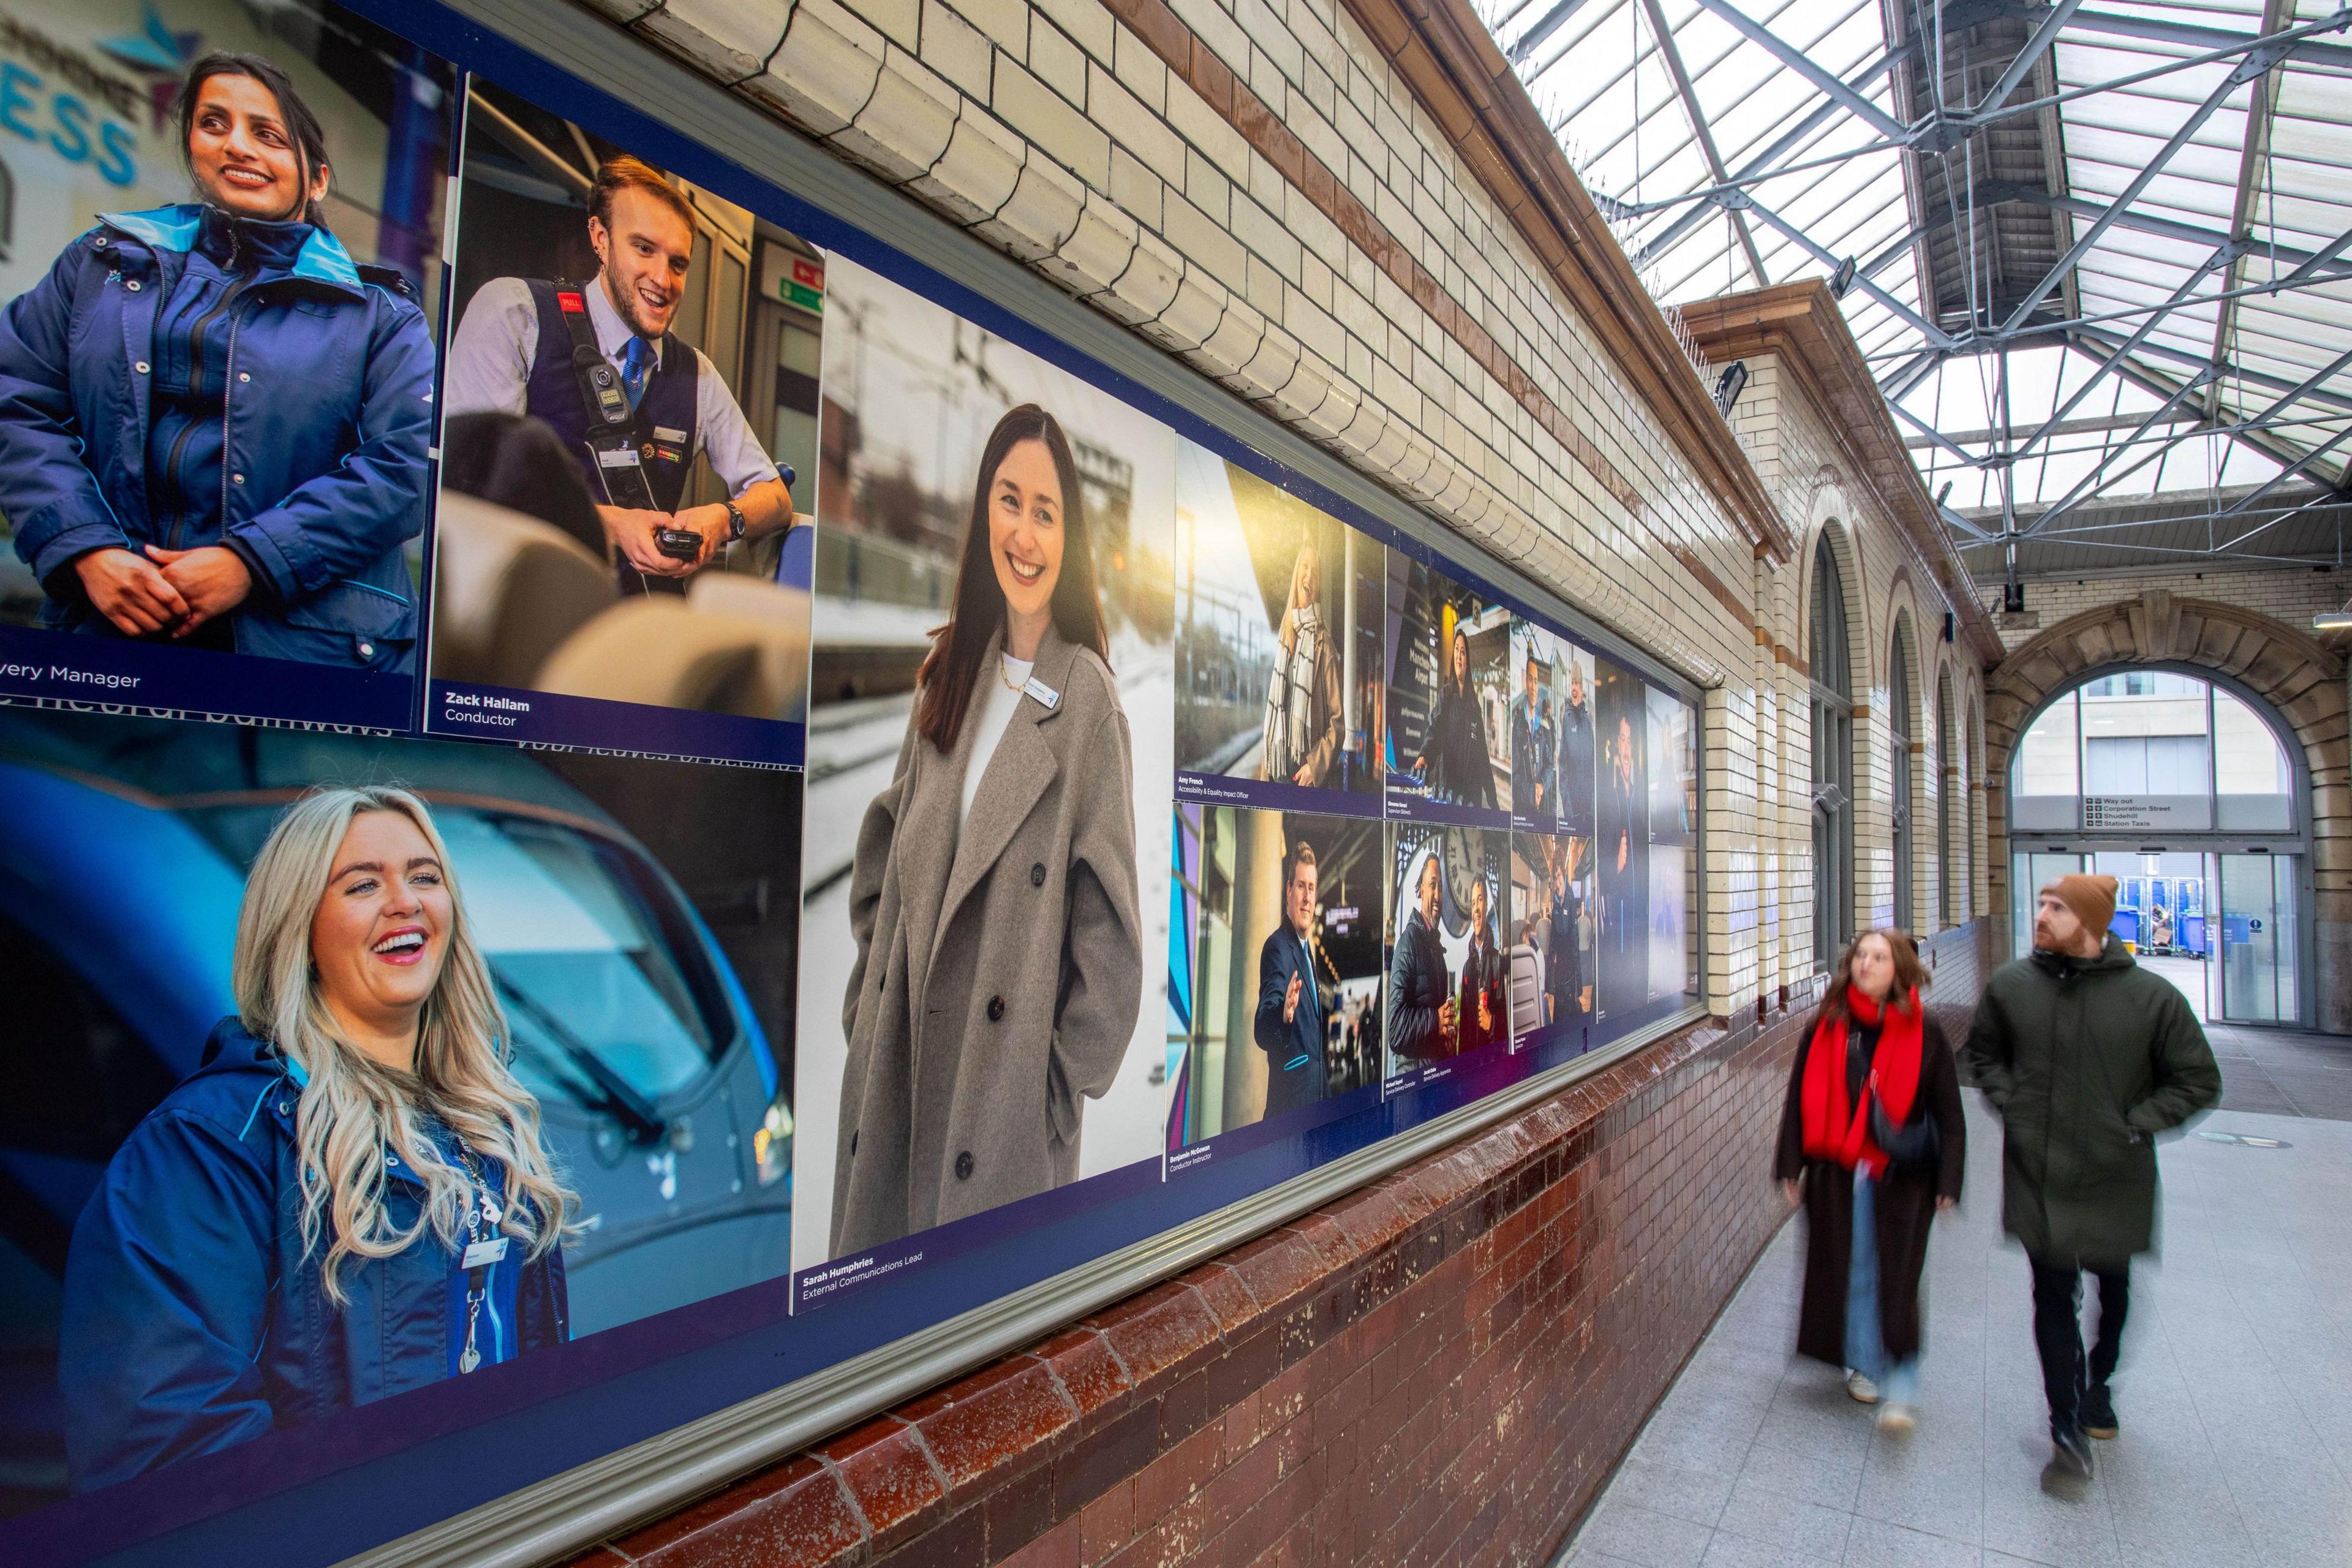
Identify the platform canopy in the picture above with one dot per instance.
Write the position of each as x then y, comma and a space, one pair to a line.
2099, 256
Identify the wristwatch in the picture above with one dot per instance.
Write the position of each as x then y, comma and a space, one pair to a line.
735, 524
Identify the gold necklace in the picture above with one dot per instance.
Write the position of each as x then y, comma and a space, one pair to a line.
1004, 675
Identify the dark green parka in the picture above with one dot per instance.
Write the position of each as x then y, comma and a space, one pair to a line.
2086, 1060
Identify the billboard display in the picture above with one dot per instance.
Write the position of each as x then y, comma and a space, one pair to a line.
602, 764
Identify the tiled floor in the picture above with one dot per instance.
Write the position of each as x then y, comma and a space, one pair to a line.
2235, 1396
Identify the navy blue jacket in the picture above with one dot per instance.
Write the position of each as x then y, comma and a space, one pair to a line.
323, 450
1293, 1051
194, 1321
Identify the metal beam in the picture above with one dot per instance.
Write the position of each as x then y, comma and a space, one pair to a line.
1546, 26
2091, 425
1764, 164
2276, 16
1742, 202
2035, 48
1673, 56
2249, 432
2305, 390
2131, 193
1930, 435
2319, 498
1993, 193
2124, 349
2296, 471
2155, 31
2273, 522
2098, 479
1780, 49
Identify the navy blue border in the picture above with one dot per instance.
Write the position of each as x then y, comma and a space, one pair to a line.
457, 709
1194, 787
373, 1474
95, 670
1234, 1142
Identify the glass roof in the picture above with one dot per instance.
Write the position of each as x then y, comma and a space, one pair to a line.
1740, 142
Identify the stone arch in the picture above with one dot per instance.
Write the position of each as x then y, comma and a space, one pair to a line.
2302, 682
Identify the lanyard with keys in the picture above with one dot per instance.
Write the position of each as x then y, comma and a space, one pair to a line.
481, 1252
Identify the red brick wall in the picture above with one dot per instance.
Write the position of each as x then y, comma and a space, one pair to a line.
1443, 1367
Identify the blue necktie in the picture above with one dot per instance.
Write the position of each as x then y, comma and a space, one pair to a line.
635, 361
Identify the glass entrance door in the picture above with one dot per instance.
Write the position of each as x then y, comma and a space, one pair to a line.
2261, 938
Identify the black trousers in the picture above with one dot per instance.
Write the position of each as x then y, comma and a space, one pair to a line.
2058, 1333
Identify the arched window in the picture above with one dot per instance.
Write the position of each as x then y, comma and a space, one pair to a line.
1948, 766
1898, 725
1833, 710
1972, 789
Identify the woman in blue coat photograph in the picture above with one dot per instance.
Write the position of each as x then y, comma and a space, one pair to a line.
349, 1199
214, 424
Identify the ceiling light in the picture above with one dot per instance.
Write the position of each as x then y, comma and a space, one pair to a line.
2333, 620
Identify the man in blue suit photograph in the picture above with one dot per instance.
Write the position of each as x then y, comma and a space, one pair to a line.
1290, 1005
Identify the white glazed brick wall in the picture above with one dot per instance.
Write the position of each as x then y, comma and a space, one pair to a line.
2292, 596
1051, 131
1796, 453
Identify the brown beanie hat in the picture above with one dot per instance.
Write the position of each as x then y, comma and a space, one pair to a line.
2093, 900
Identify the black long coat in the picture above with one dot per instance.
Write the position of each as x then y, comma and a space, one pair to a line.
1905, 1211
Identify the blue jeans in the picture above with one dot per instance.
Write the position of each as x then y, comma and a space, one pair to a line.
1866, 1352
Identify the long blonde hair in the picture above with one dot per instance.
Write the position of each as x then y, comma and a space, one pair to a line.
353, 1110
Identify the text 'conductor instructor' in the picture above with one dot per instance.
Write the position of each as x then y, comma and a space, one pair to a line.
632, 402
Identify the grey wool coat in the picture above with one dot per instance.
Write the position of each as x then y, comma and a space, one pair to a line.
999, 963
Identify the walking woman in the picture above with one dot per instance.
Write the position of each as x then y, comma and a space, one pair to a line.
213, 424
1873, 1142
994, 890
349, 1199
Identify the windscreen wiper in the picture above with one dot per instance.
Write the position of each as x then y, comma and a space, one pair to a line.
622, 1100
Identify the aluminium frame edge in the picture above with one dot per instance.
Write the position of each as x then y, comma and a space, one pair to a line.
593, 48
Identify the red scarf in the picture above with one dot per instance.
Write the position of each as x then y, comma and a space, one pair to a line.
1836, 1130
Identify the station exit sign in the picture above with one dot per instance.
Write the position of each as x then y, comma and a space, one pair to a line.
803, 285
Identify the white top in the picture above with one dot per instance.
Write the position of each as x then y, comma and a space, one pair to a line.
993, 717
490, 356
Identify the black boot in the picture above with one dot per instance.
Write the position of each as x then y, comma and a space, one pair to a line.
2098, 1413
2072, 1450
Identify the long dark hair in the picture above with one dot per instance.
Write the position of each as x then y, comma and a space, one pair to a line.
310, 137
952, 669
1910, 975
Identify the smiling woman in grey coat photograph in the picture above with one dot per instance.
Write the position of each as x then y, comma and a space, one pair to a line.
994, 893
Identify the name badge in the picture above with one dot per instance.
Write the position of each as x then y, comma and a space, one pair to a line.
619, 457
1044, 695
482, 1253
665, 434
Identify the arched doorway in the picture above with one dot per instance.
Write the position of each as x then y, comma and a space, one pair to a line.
2196, 751
2175, 784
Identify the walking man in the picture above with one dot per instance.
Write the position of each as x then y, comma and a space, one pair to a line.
2086, 1057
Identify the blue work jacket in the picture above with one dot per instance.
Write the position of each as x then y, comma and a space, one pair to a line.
324, 445
194, 1318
